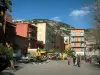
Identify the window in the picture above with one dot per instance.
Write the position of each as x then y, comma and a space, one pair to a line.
72, 38
82, 34
82, 44
66, 41
82, 49
73, 49
73, 44
73, 33
82, 39
75, 39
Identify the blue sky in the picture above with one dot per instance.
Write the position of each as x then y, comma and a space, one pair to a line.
73, 12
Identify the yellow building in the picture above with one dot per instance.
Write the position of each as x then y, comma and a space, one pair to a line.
34, 52
78, 41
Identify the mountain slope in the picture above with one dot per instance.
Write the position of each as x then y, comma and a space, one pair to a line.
60, 27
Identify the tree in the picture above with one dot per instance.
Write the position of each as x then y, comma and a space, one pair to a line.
6, 51
95, 32
6, 55
4, 6
68, 51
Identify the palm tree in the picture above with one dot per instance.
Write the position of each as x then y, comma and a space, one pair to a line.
6, 5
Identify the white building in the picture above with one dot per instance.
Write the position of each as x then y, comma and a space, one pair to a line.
90, 41
45, 33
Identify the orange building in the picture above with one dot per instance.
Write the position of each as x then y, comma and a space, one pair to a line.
78, 41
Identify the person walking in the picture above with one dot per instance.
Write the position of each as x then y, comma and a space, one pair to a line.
78, 60
68, 60
74, 60
90, 60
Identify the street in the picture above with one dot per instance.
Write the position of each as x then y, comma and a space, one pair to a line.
58, 68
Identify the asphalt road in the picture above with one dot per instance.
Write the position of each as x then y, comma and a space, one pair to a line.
58, 68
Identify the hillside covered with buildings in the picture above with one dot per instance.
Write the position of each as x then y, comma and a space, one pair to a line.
62, 28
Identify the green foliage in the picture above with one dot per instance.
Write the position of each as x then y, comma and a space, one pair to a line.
68, 52
6, 51
50, 51
15, 47
57, 50
7, 4
66, 32
3, 49
87, 30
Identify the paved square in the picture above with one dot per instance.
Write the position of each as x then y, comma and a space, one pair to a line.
58, 68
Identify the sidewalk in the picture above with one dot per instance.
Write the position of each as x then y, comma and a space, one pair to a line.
10, 71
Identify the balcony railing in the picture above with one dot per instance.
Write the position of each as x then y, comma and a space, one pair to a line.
77, 46
77, 41
32, 38
77, 35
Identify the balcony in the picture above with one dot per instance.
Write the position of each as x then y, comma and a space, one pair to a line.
78, 41
78, 46
32, 37
31, 30
77, 35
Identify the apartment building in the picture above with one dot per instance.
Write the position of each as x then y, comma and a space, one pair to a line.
90, 41
26, 35
78, 41
46, 36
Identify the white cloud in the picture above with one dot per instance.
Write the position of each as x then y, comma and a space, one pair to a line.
80, 12
18, 19
56, 18
86, 8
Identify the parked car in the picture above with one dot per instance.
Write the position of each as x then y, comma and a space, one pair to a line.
26, 59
